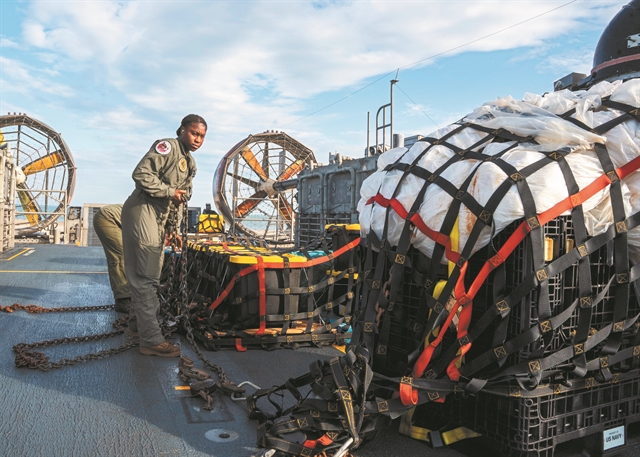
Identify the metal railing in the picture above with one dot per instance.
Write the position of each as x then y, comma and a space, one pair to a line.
7, 197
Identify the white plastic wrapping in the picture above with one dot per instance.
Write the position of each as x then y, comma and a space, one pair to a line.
536, 116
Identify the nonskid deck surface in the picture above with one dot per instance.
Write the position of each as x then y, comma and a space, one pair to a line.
127, 404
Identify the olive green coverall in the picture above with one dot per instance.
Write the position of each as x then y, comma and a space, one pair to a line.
166, 167
107, 222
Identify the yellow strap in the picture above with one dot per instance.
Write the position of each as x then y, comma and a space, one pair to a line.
342, 348
455, 242
458, 434
422, 434
405, 422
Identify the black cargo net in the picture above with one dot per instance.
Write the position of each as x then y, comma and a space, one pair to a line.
544, 306
245, 296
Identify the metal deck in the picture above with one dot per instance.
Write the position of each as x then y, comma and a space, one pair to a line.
127, 404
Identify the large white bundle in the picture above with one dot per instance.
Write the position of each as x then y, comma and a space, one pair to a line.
535, 116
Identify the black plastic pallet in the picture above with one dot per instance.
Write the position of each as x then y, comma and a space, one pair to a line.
519, 426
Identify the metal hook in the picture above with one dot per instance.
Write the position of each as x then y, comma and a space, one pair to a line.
343, 450
249, 383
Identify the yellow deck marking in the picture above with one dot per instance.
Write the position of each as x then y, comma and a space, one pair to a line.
56, 272
19, 253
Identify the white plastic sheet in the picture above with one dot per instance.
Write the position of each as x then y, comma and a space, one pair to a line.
536, 116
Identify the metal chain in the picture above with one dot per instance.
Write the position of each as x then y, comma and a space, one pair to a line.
184, 293
175, 307
27, 357
35, 309
217, 369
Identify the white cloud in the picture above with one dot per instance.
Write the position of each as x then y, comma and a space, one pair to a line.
21, 78
578, 61
8, 43
82, 30
155, 51
251, 66
117, 120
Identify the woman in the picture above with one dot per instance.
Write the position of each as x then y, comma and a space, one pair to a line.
163, 180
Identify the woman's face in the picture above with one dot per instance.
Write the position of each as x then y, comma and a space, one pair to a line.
193, 135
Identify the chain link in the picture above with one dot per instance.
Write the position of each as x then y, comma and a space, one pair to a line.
172, 315
217, 369
181, 298
35, 309
27, 357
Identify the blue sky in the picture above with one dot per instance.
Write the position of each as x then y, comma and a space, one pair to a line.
113, 76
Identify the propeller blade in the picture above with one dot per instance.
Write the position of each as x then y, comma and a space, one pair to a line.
44, 163
293, 169
251, 160
286, 211
242, 179
249, 204
29, 205
265, 158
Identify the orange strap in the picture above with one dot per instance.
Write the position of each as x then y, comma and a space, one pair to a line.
408, 395
280, 265
263, 297
227, 290
418, 222
425, 357
514, 240
310, 444
239, 346
325, 440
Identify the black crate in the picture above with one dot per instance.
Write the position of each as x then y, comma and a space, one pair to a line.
411, 298
214, 268
311, 299
563, 289
311, 225
534, 426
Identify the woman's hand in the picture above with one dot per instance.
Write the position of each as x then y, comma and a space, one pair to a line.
178, 240
180, 195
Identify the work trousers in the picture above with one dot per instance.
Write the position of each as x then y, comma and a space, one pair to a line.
107, 223
143, 237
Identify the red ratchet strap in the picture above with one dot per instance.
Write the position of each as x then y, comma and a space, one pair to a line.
408, 395
438, 237
324, 440
263, 297
425, 357
227, 290
272, 265
239, 346
463, 323
514, 240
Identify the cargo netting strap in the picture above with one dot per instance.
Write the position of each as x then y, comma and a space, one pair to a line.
251, 296
425, 327
458, 298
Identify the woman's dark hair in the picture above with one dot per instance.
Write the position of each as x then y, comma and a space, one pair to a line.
190, 119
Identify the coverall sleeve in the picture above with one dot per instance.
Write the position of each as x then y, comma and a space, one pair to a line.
189, 189
146, 174
172, 208
192, 173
